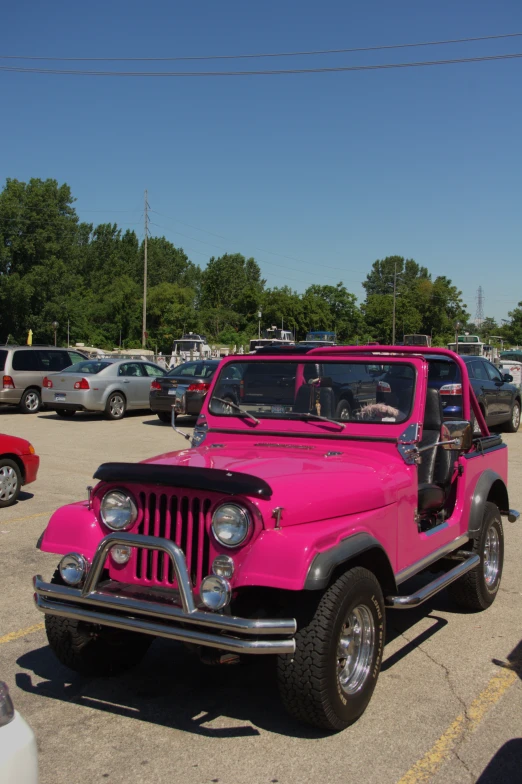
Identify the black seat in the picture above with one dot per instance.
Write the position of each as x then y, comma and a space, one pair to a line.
309, 394
436, 467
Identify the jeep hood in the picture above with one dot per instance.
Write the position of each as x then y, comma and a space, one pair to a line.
310, 483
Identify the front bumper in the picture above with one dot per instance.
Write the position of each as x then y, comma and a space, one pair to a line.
159, 612
31, 465
186, 403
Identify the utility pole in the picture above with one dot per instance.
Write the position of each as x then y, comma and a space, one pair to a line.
394, 295
144, 327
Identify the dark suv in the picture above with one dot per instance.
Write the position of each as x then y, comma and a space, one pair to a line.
23, 369
499, 399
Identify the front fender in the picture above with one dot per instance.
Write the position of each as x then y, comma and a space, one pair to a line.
286, 558
73, 528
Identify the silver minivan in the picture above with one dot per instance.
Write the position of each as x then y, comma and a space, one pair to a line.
23, 369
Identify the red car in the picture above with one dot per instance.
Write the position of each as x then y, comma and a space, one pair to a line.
18, 466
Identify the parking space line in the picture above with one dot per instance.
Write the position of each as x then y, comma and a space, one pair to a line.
28, 517
425, 768
21, 633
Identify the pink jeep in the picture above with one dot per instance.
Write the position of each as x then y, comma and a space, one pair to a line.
318, 483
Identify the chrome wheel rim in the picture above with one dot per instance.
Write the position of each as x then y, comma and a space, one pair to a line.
8, 483
32, 401
355, 649
515, 417
491, 556
117, 406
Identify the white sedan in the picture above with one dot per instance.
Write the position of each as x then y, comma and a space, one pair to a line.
108, 385
18, 753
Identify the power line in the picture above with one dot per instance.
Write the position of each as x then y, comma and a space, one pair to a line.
260, 55
274, 72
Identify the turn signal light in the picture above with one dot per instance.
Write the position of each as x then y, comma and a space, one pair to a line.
201, 387
83, 384
48, 384
8, 382
451, 389
156, 386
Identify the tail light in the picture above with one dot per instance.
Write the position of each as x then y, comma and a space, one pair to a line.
8, 383
384, 386
83, 384
200, 387
48, 384
156, 386
451, 389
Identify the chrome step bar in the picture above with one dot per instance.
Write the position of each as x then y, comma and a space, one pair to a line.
471, 561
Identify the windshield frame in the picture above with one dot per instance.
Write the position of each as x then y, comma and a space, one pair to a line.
278, 419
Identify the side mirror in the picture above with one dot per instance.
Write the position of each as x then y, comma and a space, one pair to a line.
173, 424
456, 435
506, 377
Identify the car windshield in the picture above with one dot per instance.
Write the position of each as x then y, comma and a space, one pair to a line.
92, 366
341, 391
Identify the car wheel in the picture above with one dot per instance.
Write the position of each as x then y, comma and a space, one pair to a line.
477, 589
90, 649
514, 422
329, 680
65, 412
164, 416
116, 406
10, 482
343, 411
31, 401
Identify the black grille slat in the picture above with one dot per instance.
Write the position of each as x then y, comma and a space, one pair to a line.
181, 519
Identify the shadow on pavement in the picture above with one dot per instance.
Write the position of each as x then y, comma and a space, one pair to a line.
24, 496
514, 660
506, 766
181, 422
173, 689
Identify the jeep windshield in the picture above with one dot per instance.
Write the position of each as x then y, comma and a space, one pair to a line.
339, 391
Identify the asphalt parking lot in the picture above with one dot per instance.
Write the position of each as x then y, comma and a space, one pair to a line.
447, 708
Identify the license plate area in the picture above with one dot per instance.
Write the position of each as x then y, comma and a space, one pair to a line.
59, 397
172, 391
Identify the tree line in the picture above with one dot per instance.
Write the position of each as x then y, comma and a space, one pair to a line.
54, 267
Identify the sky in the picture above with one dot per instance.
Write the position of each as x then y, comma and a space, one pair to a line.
315, 175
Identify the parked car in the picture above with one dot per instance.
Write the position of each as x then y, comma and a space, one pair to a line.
185, 387
284, 531
23, 370
18, 466
18, 751
499, 399
111, 386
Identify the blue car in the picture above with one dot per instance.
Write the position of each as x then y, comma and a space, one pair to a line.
499, 399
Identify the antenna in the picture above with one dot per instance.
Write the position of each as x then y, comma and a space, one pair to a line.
479, 313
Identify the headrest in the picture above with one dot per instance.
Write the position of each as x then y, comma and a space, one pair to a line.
433, 413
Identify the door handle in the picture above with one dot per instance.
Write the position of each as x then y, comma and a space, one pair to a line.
126, 381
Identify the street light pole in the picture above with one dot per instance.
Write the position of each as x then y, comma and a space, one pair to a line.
259, 314
394, 297
55, 326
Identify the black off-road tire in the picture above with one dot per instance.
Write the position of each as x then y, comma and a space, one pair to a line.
65, 412
514, 421
472, 591
164, 416
308, 680
11, 482
93, 650
31, 401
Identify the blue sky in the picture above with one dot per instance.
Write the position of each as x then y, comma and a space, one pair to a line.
332, 170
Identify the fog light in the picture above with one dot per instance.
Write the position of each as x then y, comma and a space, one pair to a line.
73, 568
223, 566
215, 592
121, 553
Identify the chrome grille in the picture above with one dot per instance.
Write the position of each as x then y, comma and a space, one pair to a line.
182, 519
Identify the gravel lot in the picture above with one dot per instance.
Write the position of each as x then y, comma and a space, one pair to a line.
448, 705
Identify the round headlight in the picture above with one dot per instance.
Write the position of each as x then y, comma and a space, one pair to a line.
73, 568
231, 524
215, 592
118, 510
